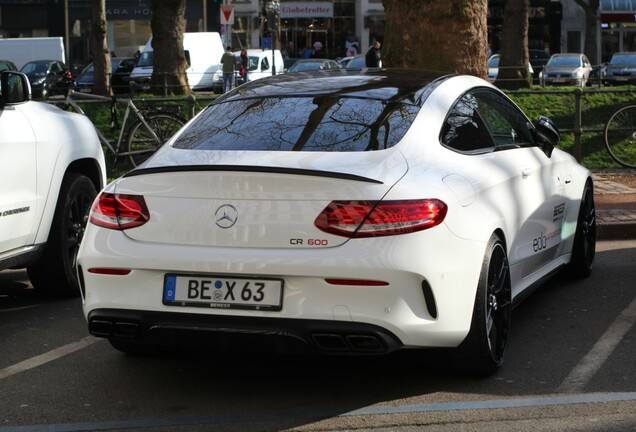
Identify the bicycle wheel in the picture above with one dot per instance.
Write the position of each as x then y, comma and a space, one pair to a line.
141, 144
620, 136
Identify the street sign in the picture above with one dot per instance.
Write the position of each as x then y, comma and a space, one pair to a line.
227, 14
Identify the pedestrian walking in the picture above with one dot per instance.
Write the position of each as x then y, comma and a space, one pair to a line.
227, 60
372, 57
245, 65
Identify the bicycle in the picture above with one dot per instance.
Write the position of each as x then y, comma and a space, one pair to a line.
152, 128
620, 136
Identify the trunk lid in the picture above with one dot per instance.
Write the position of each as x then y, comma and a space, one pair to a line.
254, 199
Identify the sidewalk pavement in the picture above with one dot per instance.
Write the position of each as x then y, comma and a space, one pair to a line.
616, 221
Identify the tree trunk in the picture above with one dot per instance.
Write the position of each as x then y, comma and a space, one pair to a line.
169, 61
513, 65
101, 53
591, 27
443, 35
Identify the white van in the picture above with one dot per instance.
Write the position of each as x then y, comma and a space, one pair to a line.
261, 64
23, 50
203, 51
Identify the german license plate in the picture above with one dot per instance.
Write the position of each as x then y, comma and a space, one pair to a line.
559, 80
223, 292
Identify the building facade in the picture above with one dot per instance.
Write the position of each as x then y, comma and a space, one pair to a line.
341, 26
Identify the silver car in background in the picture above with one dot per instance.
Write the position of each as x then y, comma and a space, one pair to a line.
566, 69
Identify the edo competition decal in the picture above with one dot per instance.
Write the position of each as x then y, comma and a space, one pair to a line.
15, 211
543, 240
559, 211
546, 240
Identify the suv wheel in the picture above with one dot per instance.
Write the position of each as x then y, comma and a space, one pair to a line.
55, 273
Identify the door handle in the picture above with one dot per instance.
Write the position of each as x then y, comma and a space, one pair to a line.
525, 172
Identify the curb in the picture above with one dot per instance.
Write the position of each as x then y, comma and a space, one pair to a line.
614, 224
614, 230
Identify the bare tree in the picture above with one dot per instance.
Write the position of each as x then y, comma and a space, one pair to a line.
513, 65
169, 61
101, 53
442, 35
589, 45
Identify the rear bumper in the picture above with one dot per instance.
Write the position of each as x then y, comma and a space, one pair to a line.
427, 301
289, 335
619, 80
562, 81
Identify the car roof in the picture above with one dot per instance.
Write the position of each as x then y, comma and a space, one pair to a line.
387, 84
44, 61
252, 51
317, 60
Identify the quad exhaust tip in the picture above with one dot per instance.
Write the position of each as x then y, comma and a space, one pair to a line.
353, 342
102, 328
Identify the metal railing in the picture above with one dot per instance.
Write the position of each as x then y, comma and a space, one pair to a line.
577, 121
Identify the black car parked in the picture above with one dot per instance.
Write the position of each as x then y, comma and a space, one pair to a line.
48, 77
120, 67
7, 65
620, 70
538, 59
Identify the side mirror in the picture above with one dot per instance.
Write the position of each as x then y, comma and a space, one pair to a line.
547, 134
14, 88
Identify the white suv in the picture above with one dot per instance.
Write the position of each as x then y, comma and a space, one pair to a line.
51, 167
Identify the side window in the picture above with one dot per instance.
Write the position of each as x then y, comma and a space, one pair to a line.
483, 120
464, 130
264, 64
508, 126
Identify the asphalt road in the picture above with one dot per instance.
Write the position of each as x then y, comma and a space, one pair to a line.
570, 367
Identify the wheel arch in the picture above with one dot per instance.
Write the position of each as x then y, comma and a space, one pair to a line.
90, 168
87, 166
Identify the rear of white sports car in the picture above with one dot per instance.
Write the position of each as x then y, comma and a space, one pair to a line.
310, 216
283, 248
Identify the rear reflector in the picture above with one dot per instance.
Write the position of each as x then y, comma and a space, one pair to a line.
119, 212
355, 282
355, 219
109, 271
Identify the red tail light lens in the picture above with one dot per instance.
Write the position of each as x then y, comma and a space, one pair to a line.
119, 212
356, 219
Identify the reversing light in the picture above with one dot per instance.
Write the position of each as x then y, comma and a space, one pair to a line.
119, 211
356, 219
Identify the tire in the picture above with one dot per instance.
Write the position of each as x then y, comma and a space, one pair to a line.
55, 273
141, 145
482, 352
620, 136
584, 247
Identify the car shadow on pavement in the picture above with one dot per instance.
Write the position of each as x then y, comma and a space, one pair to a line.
16, 291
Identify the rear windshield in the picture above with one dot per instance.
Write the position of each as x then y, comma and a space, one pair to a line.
311, 124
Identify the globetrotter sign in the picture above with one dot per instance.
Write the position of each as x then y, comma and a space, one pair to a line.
306, 10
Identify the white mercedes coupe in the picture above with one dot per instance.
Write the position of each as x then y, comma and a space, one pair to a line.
345, 212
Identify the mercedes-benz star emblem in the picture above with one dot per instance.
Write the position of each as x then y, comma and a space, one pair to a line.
226, 216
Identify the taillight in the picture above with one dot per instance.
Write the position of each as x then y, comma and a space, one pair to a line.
355, 219
119, 212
